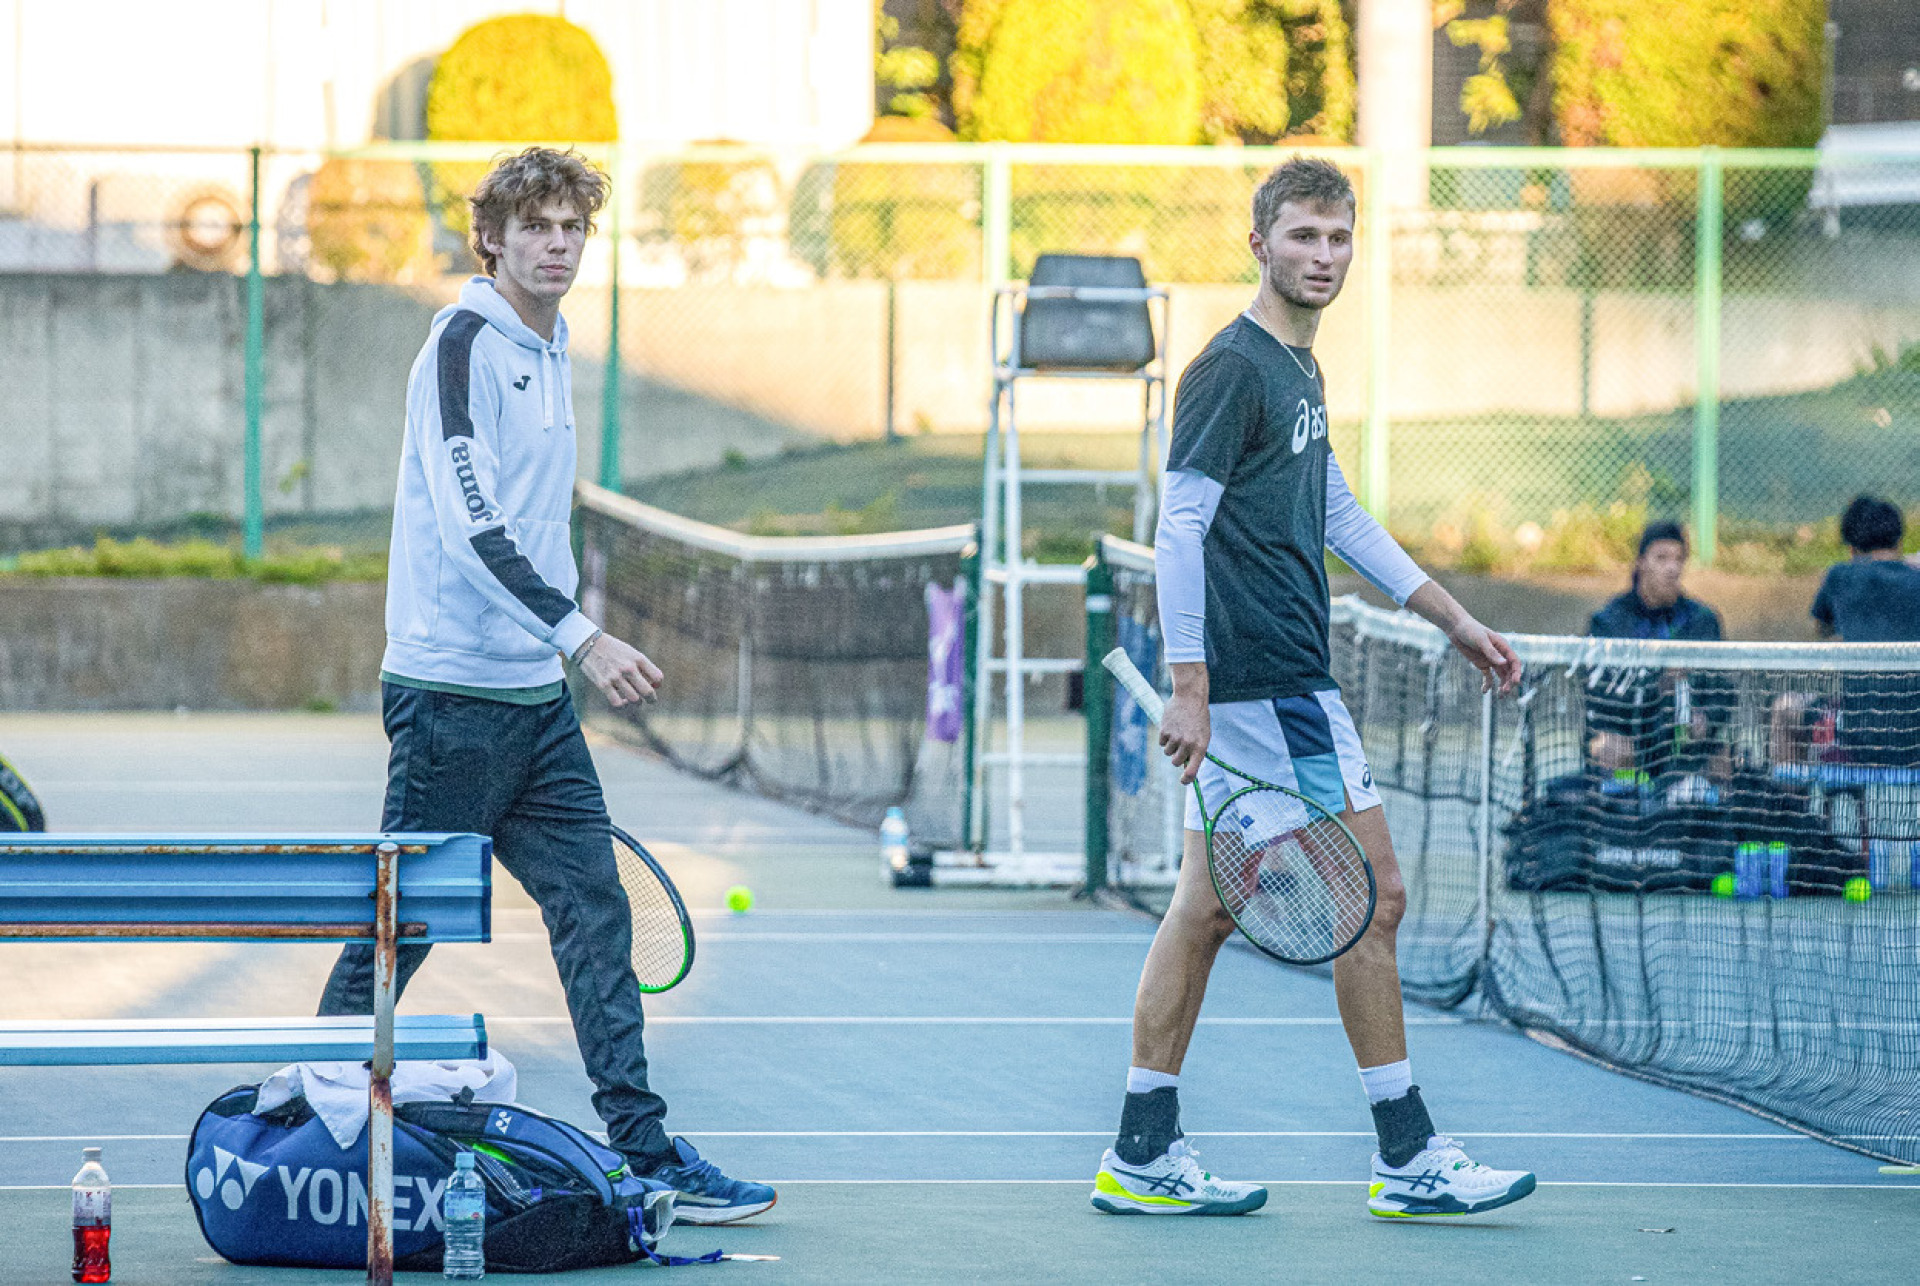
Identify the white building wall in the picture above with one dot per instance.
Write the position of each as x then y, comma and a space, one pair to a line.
318, 73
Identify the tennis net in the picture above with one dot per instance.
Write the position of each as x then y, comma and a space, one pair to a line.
1693, 862
797, 667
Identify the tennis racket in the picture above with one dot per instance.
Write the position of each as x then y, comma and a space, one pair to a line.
1289, 872
662, 932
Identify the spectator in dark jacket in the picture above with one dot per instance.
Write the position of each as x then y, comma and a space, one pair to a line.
1633, 720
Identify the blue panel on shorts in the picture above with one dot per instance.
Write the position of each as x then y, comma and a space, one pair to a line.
1303, 722
1320, 781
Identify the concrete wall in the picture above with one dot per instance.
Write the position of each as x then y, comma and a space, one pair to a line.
199, 644
125, 394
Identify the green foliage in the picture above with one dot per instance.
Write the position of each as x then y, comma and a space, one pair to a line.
902, 73
1486, 98
1183, 223
520, 78
904, 221
1088, 71
145, 558
1651, 73
1243, 70
711, 206
367, 221
1321, 94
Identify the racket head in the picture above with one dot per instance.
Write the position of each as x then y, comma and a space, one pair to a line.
1290, 874
662, 930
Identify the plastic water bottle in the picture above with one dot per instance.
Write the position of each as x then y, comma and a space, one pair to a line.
465, 1211
92, 1220
894, 854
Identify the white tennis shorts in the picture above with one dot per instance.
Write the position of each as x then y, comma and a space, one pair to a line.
1308, 744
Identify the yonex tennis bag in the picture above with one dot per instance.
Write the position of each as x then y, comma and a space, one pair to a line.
276, 1189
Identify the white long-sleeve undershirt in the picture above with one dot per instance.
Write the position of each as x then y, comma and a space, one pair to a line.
1179, 554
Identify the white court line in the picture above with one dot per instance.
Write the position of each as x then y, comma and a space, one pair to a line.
943, 1020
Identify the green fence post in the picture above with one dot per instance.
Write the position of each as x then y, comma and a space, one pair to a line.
1096, 702
1375, 429
610, 385
996, 217
1706, 342
970, 640
254, 523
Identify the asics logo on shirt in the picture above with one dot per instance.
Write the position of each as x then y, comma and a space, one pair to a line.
1309, 424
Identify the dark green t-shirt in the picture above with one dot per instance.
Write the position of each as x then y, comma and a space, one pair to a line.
1249, 416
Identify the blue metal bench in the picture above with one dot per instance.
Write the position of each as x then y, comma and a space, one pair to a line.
383, 889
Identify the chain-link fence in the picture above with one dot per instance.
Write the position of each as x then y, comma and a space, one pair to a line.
1544, 349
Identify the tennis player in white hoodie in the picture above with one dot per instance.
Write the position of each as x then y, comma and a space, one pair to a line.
481, 616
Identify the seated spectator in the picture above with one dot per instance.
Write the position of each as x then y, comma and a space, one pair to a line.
1633, 723
1873, 597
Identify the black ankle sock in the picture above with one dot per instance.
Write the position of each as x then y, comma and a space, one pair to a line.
1149, 1123
1403, 1126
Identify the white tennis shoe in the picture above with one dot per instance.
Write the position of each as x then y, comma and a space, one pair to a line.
1171, 1184
1442, 1180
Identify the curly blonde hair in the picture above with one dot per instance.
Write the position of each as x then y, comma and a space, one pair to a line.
522, 184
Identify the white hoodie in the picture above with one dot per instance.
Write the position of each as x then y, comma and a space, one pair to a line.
480, 578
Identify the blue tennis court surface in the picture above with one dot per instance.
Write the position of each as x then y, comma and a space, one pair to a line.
929, 1076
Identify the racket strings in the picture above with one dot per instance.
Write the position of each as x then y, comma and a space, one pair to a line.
659, 941
1291, 878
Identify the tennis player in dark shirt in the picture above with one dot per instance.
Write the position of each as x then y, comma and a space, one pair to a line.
1253, 500
1873, 597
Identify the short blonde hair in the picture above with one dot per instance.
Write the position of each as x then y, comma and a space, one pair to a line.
1305, 179
522, 184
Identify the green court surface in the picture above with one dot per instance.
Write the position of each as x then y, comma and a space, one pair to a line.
929, 1076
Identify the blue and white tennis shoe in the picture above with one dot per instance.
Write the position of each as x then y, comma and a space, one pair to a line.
1442, 1180
1171, 1184
707, 1196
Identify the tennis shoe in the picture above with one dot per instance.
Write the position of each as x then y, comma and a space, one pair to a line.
1442, 1180
706, 1196
1171, 1184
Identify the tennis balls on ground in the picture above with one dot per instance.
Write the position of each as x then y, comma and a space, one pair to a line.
1723, 884
739, 899
1859, 889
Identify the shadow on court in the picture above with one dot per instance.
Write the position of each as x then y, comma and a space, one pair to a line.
929, 1076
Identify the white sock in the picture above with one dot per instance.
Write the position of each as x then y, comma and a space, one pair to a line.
1391, 1080
1144, 1080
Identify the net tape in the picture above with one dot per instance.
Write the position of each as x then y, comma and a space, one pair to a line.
1701, 858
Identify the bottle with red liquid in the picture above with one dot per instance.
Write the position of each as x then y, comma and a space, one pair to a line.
92, 1220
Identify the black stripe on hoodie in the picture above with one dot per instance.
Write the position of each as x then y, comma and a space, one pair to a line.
456, 359
511, 568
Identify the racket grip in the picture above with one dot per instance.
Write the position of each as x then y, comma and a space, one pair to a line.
1123, 669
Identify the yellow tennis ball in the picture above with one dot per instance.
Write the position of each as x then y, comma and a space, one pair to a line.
1859, 889
739, 899
1723, 885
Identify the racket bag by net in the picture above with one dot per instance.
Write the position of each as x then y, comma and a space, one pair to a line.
276, 1189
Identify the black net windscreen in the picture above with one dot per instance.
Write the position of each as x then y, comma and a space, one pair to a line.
801, 668
1699, 858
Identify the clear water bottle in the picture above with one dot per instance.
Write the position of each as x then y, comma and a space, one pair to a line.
92, 1220
465, 1211
894, 854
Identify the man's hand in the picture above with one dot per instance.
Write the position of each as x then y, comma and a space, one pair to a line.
1185, 726
1490, 654
622, 673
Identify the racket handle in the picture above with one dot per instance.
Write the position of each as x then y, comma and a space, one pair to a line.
1123, 669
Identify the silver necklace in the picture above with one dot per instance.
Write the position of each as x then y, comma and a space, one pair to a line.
1311, 372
